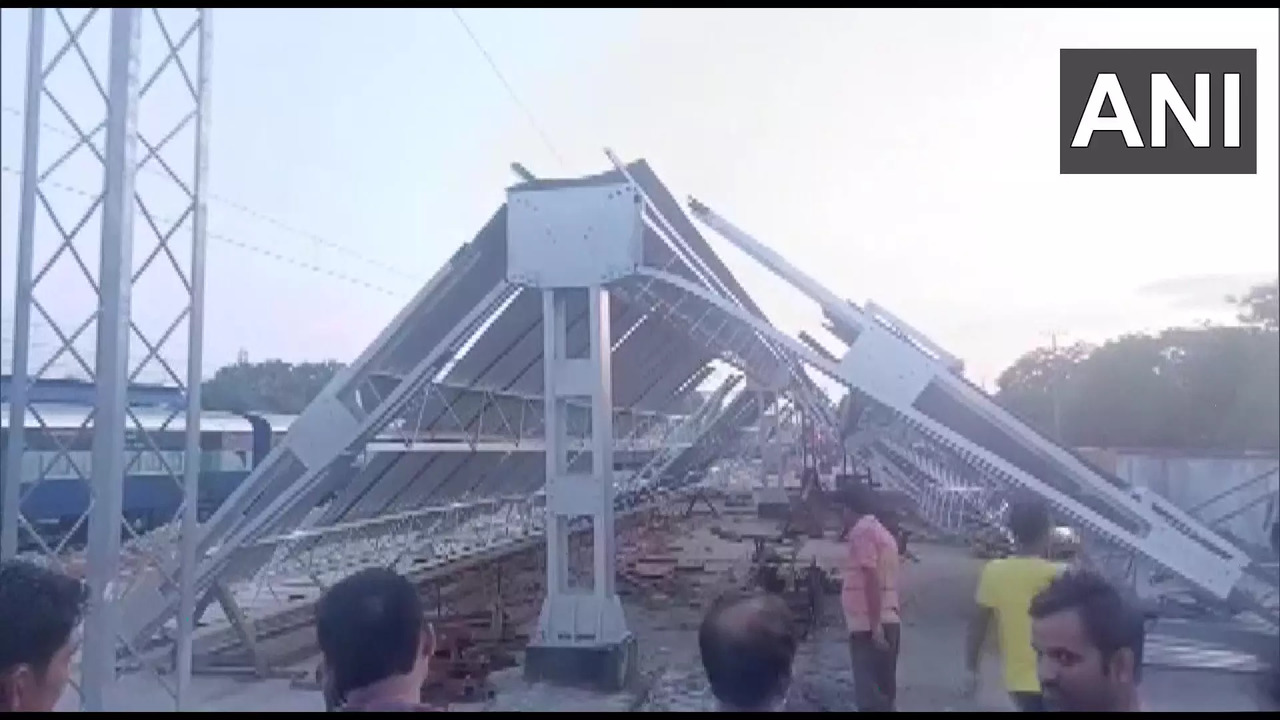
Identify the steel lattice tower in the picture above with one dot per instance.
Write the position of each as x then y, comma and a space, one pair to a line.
110, 93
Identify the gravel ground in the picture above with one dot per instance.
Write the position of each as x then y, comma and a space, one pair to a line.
936, 594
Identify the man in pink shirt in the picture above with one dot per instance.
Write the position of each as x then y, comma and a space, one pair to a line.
870, 601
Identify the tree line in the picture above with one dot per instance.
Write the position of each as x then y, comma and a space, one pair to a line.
1208, 387
1205, 387
271, 386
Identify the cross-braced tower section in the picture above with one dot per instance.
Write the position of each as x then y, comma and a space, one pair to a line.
109, 291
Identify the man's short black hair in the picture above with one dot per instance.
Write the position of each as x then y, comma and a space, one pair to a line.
747, 643
369, 626
1111, 622
39, 610
1029, 519
861, 499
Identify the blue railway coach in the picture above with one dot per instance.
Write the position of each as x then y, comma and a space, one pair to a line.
58, 455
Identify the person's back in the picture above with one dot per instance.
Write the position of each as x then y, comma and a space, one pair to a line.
747, 645
375, 642
1006, 588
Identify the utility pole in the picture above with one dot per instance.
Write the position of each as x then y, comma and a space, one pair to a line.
1055, 387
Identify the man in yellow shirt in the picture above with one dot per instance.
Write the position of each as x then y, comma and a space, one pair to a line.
1005, 590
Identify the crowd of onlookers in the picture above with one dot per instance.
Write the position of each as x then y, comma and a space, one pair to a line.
1068, 639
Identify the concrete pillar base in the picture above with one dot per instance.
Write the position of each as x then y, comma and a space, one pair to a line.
604, 668
772, 503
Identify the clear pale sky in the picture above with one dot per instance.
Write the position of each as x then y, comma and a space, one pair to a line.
908, 157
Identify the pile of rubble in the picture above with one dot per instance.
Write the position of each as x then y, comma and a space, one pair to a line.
650, 563
483, 615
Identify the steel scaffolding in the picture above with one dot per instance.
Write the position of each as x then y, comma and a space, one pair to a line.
139, 130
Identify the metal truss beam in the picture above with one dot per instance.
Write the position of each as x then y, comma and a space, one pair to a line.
441, 414
901, 376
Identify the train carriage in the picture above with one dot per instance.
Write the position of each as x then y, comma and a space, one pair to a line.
58, 453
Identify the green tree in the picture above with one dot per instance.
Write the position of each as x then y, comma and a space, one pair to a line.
1035, 386
270, 386
1260, 307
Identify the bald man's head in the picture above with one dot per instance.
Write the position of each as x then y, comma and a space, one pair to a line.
747, 645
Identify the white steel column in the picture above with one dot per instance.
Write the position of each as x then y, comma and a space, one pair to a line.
762, 436
98, 662
195, 365
14, 467
569, 240
554, 333
604, 539
592, 613
768, 435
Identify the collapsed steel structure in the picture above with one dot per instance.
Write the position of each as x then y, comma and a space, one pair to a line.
541, 382
567, 268
434, 444
931, 433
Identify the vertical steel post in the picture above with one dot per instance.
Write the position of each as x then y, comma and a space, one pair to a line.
195, 372
602, 443
98, 662
16, 448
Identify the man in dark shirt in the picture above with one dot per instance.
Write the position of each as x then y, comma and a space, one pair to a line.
375, 642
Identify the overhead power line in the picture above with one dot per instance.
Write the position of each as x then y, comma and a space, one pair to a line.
255, 214
511, 91
274, 255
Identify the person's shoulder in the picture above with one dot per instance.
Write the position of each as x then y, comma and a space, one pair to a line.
1037, 570
995, 566
872, 523
867, 529
1051, 569
390, 706
1018, 569
865, 524
993, 572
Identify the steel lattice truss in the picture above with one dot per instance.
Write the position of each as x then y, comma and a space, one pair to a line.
428, 448
135, 124
945, 443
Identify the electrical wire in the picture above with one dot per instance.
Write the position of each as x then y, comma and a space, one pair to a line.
280, 257
317, 239
255, 214
511, 91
